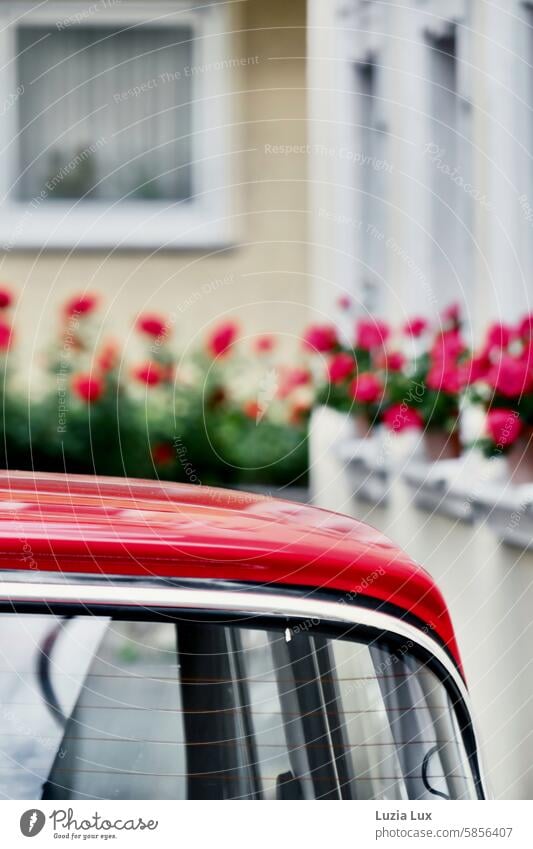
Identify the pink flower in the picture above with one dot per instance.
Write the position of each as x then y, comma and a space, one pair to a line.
344, 302
474, 369
148, 373
392, 361
370, 334
503, 426
452, 315
510, 377
152, 325
298, 377
222, 338
444, 377
87, 387
6, 336
448, 346
498, 336
525, 327
366, 388
80, 305
291, 379
341, 366
526, 355
400, 417
415, 327
6, 298
321, 338
265, 343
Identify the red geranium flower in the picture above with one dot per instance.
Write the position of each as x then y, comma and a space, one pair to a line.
474, 369
445, 377
168, 372
265, 343
6, 336
6, 299
80, 305
299, 412
321, 338
340, 367
108, 357
366, 388
371, 333
162, 454
415, 327
222, 338
252, 409
392, 361
503, 426
88, 387
448, 346
152, 325
498, 336
148, 373
510, 377
399, 417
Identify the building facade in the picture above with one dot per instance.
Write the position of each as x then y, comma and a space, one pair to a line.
155, 153
423, 192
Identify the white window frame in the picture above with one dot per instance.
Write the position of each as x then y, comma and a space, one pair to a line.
203, 221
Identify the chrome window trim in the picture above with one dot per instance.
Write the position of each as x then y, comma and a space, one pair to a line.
126, 593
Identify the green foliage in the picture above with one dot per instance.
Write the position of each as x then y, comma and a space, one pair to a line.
93, 415
170, 435
265, 451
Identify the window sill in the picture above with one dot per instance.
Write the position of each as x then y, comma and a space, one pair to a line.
450, 487
89, 225
439, 488
508, 511
366, 465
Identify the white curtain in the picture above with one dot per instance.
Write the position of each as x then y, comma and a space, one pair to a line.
85, 130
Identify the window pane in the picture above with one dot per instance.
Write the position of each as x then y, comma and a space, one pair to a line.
124, 739
105, 114
376, 769
98, 708
422, 719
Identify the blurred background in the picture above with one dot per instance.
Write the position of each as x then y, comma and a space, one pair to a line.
137, 161
287, 246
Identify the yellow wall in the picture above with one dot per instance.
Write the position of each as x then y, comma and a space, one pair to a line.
265, 278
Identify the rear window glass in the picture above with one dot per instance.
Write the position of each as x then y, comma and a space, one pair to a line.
96, 708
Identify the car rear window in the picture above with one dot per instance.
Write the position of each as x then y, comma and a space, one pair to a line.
98, 708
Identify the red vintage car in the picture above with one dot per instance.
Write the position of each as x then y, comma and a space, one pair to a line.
160, 641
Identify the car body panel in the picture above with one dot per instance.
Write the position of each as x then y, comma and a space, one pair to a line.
115, 526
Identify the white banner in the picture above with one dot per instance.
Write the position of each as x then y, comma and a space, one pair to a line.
269, 824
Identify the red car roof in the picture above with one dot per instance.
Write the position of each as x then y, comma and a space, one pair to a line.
117, 526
